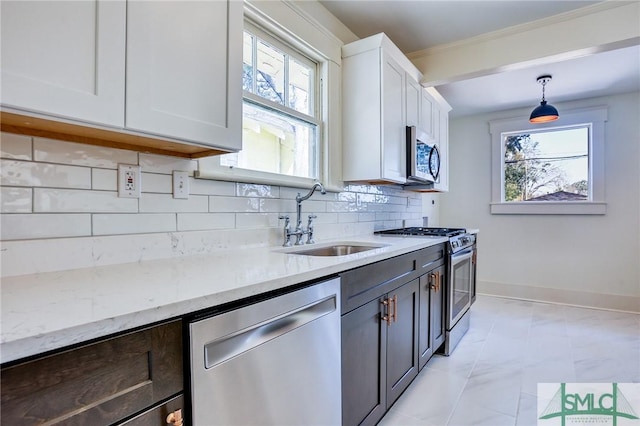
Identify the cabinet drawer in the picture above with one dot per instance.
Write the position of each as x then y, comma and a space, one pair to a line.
361, 285
100, 383
157, 415
430, 258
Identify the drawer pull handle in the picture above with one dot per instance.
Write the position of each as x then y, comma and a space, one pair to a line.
175, 418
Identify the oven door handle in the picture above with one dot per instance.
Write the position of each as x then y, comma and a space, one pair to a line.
461, 256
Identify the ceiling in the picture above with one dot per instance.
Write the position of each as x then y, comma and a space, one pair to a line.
418, 25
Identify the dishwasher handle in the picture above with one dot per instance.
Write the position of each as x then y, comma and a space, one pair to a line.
227, 347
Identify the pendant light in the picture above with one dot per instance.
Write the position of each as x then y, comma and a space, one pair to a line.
544, 112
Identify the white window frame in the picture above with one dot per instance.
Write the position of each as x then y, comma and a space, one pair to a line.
297, 29
596, 118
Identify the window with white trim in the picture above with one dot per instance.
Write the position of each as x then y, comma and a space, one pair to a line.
554, 168
280, 121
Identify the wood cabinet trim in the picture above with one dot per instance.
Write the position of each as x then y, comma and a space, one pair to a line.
92, 135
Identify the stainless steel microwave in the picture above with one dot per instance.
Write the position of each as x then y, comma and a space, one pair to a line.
423, 157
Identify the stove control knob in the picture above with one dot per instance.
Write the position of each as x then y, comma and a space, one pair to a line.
455, 244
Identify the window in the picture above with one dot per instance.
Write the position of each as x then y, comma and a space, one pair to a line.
296, 110
280, 121
547, 165
555, 168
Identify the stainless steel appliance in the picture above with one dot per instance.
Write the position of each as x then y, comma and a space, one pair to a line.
273, 362
459, 288
460, 278
423, 157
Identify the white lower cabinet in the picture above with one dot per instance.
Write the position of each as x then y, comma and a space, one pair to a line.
184, 70
65, 59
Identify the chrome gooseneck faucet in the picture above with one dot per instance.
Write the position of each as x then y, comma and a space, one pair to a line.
299, 231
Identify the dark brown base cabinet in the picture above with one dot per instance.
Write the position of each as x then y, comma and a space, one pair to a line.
432, 332
139, 373
383, 339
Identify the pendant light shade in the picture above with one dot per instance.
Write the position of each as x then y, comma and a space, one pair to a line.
544, 112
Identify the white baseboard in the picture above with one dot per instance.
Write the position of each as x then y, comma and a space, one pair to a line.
566, 297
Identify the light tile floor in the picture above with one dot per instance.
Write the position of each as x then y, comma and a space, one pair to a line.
512, 345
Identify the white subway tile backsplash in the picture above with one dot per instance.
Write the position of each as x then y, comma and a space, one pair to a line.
165, 203
70, 200
154, 182
24, 173
278, 205
212, 187
348, 217
311, 206
291, 193
15, 146
256, 190
16, 200
204, 221
256, 220
342, 207
104, 179
31, 226
53, 189
366, 217
234, 204
164, 164
132, 223
54, 151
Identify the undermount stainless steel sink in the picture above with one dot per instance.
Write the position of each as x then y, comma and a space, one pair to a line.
337, 250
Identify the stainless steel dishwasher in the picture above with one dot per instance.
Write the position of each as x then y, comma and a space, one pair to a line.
274, 362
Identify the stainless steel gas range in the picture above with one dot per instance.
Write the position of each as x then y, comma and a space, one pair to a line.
460, 290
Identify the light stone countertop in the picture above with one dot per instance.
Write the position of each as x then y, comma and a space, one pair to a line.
46, 311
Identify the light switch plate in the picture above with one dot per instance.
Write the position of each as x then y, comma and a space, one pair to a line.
129, 180
180, 184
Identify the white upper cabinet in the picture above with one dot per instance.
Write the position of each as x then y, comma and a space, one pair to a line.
414, 99
184, 70
182, 82
65, 58
439, 130
426, 113
381, 97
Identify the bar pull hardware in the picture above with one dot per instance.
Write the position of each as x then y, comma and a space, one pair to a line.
473, 258
438, 281
175, 418
434, 281
395, 308
386, 317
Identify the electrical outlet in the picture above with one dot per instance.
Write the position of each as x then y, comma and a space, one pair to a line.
129, 180
180, 184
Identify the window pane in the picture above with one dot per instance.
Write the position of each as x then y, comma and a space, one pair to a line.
276, 143
247, 63
299, 87
547, 166
270, 76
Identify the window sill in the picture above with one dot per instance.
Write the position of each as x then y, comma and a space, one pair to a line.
546, 207
264, 178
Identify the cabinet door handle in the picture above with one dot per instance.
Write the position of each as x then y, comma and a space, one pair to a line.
175, 418
438, 281
386, 317
395, 308
434, 281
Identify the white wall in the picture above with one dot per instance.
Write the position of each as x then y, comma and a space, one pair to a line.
583, 260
